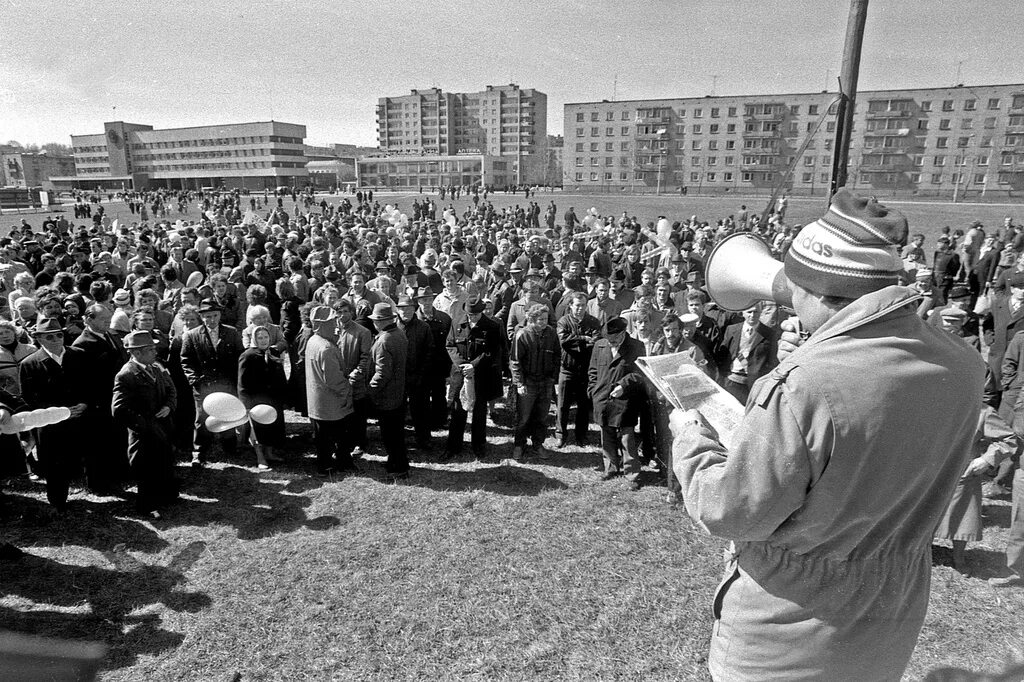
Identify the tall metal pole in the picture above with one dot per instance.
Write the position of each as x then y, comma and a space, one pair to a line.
848, 87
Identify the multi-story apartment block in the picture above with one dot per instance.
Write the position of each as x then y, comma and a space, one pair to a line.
242, 155
502, 121
958, 141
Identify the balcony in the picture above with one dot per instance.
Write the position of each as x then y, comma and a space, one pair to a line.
652, 136
886, 151
889, 113
761, 166
774, 116
762, 134
902, 167
1019, 128
888, 132
653, 120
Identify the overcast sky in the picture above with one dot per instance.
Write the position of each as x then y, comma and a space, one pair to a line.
64, 68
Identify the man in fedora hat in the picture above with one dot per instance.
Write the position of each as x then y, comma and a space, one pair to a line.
387, 387
57, 376
839, 472
439, 365
144, 400
417, 367
209, 359
329, 392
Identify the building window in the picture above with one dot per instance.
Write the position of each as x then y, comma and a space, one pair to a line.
714, 112
712, 161
940, 160
826, 160
808, 177
609, 161
747, 176
830, 126
970, 104
712, 144
915, 178
579, 132
794, 109
698, 112
711, 177
695, 145
824, 177
979, 178
593, 177
579, 160
990, 122
926, 106
730, 127
609, 131
593, 146
947, 105
624, 130
595, 161
713, 129
593, 116
623, 175
963, 141
610, 116
680, 144
808, 160
944, 124
918, 159
922, 124
625, 116
696, 129
580, 117
730, 144
579, 146
595, 131
986, 141
967, 124
730, 160
609, 146
993, 103
942, 142
694, 160
794, 127
812, 109
983, 160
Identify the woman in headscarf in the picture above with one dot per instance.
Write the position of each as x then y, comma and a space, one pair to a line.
261, 381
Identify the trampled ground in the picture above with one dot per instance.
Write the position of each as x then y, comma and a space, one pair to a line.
467, 571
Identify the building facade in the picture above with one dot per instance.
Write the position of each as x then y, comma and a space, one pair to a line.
413, 173
502, 121
19, 168
964, 141
242, 155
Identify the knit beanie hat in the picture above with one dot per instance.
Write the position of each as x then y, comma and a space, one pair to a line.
851, 251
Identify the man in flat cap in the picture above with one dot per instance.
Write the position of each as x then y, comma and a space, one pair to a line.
837, 476
387, 387
476, 348
329, 392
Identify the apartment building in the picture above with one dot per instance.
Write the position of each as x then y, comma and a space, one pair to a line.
963, 141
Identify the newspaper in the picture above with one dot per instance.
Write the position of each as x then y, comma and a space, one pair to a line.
687, 387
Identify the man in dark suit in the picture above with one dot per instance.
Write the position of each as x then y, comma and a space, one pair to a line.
751, 348
1007, 320
55, 376
476, 348
106, 461
616, 389
209, 359
143, 401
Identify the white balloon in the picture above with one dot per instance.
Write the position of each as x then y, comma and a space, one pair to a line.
593, 211
450, 220
263, 414
214, 425
225, 407
389, 208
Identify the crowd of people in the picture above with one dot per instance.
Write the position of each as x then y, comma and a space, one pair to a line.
435, 321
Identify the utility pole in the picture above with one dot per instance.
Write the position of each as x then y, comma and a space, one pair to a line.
848, 91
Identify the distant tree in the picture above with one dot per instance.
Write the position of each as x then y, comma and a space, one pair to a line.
14, 143
57, 149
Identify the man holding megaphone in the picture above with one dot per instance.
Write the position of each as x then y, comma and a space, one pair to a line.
844, 462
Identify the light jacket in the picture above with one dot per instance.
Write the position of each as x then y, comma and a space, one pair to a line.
838, 476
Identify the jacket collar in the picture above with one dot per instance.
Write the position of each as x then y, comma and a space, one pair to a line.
893, 300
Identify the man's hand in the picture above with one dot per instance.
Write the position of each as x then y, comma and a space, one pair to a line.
681, 421
790, 339
977, 467
617, 392
521, 390
163, 412
467, 370
78, 410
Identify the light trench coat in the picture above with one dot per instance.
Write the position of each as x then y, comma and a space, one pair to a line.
838, 476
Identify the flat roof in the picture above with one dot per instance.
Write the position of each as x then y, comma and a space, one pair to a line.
800, 94
212, 125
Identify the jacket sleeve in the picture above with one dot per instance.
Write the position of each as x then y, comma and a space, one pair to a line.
189, 360
453, 351
382, 368
1010, 359
122, 406
745, 493
997, 438
519, 347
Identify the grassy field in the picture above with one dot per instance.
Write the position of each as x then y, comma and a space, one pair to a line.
467, 571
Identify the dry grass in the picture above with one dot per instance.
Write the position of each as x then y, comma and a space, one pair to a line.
468, 571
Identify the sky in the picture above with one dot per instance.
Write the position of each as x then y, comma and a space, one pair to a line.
66, 67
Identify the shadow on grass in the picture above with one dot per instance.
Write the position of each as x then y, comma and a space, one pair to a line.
118, 606
502, 479
31, 522
981, 563
255, 506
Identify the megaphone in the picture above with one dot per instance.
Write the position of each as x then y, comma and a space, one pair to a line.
741, 271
